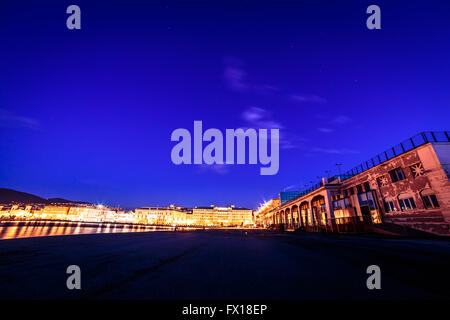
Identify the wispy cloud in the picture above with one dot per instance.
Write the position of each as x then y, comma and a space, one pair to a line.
260, 118
11, 120
288, 142
332, 123
265, 88
325, 130
335, 151
342, 119
214, 168
235, 77
308, 98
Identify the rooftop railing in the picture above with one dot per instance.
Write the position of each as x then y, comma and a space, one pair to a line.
401, 148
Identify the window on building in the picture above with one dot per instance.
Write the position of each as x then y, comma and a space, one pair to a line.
407, 204
341, 203
366, 199
366, 186
389, 206
427, 202
430, 201
336, 197
397, 175
359, 189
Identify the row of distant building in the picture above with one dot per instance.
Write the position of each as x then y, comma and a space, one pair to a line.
212, 216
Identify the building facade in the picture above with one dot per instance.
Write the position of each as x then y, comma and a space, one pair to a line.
20, 211
170, 215
212, 216
222, 216
407, 185
65, 212
264, 209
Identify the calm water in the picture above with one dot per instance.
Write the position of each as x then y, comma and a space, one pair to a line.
27, 229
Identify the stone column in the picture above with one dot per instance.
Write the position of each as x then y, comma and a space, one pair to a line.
292, 219
312, 214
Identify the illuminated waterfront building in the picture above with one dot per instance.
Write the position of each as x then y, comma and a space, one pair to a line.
89, 213
199, 216
222, 216
54, 212
16, 211
119, 216
263, 209
406, 185
170, 215
65, 212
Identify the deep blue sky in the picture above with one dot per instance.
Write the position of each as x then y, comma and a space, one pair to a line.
87, 114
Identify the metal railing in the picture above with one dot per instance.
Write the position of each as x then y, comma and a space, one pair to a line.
401, 148
305, 192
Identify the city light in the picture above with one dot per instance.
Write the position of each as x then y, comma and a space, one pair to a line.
159, 216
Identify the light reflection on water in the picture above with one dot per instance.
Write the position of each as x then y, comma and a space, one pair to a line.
27, 229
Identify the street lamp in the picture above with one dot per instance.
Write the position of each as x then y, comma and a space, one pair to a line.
339, 167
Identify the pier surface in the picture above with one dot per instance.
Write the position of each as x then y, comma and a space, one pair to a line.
223, 265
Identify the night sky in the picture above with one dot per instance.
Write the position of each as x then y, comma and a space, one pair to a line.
87, 114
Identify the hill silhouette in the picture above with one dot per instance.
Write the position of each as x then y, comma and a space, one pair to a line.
9, 196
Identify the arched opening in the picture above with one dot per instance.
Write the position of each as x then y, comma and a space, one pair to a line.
304, 214
429, 199
318, 210
287, 217
390, 205
295, 216
406, 201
